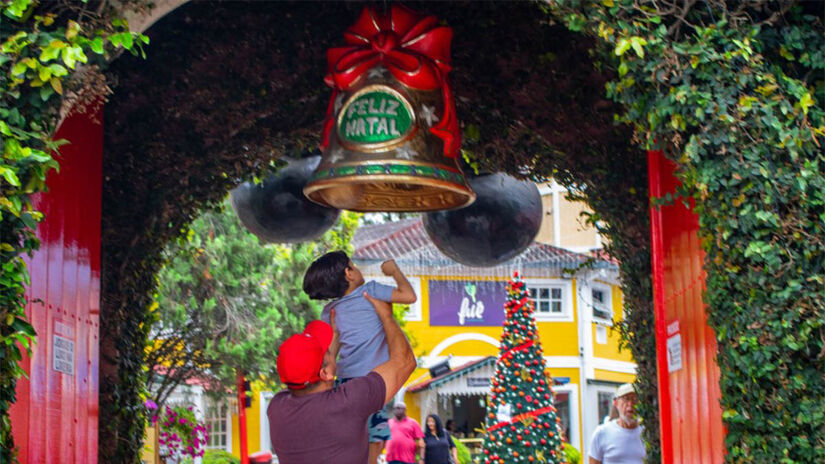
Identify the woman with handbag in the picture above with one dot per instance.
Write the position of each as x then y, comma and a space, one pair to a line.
439, 448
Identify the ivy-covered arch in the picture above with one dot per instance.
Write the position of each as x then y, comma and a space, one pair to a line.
228, 86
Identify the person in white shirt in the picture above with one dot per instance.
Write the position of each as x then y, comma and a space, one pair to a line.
619, 441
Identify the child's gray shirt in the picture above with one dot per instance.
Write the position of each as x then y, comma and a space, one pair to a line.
363, 341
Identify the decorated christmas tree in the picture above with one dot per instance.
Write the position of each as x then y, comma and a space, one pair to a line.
521, 423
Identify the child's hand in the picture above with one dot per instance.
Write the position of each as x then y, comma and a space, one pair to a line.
389, 267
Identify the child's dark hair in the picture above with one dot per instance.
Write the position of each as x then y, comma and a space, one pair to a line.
325, 278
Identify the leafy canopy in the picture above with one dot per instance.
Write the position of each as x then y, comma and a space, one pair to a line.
225, 301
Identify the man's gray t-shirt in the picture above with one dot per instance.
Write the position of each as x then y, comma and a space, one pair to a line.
614, 444
362, 337
325, 427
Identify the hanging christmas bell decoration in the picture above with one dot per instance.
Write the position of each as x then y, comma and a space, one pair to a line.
391, 138
276, 210
503, 222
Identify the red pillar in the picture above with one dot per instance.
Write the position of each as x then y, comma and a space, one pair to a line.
690, 416
242, 419
55, 418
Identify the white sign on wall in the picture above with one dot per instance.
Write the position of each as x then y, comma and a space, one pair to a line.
63, 355
674, 352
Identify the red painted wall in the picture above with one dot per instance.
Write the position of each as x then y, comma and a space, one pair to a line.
56, 414
690, 415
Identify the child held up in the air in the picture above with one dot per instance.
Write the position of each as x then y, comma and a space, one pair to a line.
363, 343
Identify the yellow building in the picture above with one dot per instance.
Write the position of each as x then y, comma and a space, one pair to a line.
458, 317
564, 224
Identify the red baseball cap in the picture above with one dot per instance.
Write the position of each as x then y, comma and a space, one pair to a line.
301, 356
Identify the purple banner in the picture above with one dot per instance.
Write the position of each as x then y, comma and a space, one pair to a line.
467, 303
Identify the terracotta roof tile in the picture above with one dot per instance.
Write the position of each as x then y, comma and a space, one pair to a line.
407, 242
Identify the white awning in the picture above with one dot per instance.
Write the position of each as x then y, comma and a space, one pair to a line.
472, 378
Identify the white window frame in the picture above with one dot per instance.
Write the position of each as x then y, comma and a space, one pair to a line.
414, 313
227, 419
265, 397
566, 314
608, 303
590, 416
572, 391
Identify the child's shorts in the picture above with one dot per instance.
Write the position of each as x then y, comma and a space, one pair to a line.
378, 424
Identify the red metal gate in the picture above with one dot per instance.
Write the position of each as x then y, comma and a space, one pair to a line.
689, 411
56, 414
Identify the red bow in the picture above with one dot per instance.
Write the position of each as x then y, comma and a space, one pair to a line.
412, 47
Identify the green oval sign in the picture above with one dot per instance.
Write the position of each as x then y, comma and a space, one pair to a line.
375, 116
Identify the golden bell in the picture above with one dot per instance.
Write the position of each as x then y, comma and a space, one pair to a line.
381, 154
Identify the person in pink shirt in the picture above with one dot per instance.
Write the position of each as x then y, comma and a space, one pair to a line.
405, 437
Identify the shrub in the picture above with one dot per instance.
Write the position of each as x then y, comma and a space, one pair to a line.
213, 456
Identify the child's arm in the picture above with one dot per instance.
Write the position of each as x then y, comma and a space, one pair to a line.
404, 294
335, 344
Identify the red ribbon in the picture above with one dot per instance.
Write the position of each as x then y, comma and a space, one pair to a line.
412, 47
518, 418
510, 352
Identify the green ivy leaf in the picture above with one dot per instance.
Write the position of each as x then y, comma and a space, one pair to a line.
17, 8
806, 102
622, 46
97, 45
52, 50
19, 69
45, 93
638, 43
28, 220
21, 326
44, 73
10, 176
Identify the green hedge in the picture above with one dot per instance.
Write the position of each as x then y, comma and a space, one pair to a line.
42, 48
213, 456
734, 93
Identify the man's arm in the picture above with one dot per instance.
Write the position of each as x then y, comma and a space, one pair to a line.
402, 363
422, 448
404, 292
595, 448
